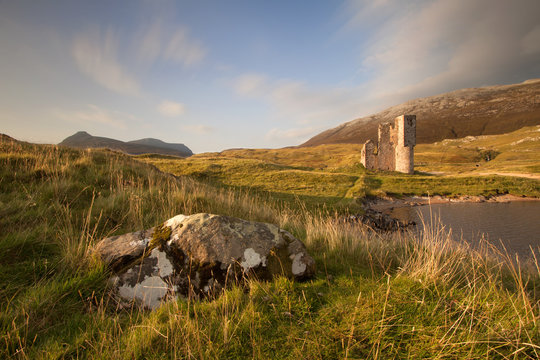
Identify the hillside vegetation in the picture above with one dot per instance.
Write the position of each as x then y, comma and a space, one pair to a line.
374, 296
84, 140
457, 114
515, 152
332, 174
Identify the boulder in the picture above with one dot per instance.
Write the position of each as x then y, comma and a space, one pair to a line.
198, 255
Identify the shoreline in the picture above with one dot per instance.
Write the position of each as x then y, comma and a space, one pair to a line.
387, 204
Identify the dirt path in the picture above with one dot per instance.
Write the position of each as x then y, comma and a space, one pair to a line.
529, 176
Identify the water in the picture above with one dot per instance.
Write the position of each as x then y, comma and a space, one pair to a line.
514, 224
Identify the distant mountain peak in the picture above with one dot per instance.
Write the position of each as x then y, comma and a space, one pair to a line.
82, 139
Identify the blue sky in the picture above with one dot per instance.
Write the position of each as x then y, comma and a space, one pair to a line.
226, 74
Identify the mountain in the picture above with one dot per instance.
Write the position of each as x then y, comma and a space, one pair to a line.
7, 138
82, 139
476, 111
161, 144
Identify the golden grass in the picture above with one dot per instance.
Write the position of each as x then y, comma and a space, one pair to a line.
375, 295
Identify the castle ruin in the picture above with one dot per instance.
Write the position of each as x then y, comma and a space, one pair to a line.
395, 148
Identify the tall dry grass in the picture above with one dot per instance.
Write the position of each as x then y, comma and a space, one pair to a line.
395, 295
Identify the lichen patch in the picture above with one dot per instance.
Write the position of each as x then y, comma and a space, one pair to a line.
149, 292
164, 266
298, 266
142, 242
176, 221
252, 259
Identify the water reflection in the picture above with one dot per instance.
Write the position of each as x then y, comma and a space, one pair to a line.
514, 224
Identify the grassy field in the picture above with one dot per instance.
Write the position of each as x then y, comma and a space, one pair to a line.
374, 296
515, 152
332, 174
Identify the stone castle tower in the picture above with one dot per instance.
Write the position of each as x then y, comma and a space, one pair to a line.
395, 148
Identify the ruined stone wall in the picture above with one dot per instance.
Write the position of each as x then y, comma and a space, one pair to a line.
385, 153
395, 146
404, 149
368, 158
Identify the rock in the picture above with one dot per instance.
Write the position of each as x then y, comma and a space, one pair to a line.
120, 251
378, 221
199, 255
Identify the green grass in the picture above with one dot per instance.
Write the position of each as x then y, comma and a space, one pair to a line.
332, 174
374, 296
515, 152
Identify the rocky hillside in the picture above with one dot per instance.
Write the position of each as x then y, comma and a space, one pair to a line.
82, 139
475, 111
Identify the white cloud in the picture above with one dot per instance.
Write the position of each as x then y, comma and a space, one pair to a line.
297, 102
93, 114
184, 50
409, 50
149, 42
250, 84
171, 108
296, 134
169, 42
96, 55
531, 41
426, 47
198, 129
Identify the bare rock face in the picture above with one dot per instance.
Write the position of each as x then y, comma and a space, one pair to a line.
198, 255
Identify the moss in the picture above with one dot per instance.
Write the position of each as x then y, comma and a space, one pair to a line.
279, 263
160, 236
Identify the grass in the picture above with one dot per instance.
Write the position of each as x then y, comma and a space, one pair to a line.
332, 174
374, 296
515, 152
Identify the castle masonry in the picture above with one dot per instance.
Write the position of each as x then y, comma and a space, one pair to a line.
394, 150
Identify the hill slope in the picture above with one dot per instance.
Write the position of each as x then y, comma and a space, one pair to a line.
161, 144
409, 297
82, 139
466, 112
515, 152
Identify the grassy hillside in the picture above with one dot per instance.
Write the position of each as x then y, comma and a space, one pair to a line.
332, 174
374, 296
457, 114
515, 152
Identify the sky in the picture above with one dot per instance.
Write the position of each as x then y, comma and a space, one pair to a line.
216, 74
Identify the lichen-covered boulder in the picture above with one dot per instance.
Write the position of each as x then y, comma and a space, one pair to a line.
198, 255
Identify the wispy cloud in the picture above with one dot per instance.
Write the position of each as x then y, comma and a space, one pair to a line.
292, 134
171, 108
251, 84
296, 100
96, 55
198, 129
425, 47
409, 50
184, 50
530, 43
93, 114
171, 43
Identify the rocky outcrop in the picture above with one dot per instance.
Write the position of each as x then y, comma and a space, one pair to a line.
378, 221
199, 255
